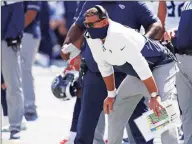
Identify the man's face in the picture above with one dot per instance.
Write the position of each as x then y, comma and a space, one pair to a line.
94, 22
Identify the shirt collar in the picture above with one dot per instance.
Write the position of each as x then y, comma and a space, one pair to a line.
111, 24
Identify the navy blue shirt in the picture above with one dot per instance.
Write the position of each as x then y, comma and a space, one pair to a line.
184, 33
133, 14
34, 27
70, 9
78, 10
12, 20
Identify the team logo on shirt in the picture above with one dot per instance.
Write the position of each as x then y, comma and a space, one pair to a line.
122, 6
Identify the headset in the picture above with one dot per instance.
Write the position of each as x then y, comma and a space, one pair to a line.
102, 13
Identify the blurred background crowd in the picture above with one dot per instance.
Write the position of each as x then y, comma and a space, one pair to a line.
55, 19
40, 27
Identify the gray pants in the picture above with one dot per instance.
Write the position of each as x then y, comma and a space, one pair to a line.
11, 69
130, 93
184, 89
100, 130
30, 46
129, 134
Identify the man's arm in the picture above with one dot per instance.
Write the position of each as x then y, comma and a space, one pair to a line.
32, 9
155, 31
75, 33
152, 25
162, 12
139, 64
107, 73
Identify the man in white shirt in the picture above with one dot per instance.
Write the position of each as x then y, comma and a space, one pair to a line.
114, 45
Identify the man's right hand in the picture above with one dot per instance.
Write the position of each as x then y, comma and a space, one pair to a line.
65, 56
69, 51
154, 104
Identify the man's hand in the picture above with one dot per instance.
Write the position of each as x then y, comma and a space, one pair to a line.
154, 104
70, 49
108, 105
3, 86
74, 36
65, 56
169, 34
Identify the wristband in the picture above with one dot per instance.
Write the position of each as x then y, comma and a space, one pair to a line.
112, 94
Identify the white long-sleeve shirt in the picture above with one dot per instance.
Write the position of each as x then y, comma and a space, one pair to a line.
121, 45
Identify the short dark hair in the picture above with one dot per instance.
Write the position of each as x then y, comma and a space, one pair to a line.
91, 12
98, 11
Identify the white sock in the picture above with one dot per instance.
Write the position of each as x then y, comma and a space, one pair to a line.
72, 136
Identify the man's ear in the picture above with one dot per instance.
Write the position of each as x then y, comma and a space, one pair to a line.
104, 22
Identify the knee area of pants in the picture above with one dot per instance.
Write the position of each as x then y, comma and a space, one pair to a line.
14, 91
187, 113
27, 69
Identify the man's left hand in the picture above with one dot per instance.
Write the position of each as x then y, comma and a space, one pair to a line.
155, 105
108, 105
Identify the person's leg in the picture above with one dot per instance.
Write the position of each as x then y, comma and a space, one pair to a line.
130, 137
5, 111
129, 94
29, 49
184, 89
94, 93
100, 130
139, 110
11, 69
76, 112
4, 102
165, 77
3, 96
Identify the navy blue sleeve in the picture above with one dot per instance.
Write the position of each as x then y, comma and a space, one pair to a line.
78, 10
144, 16
80, 19
34, 5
